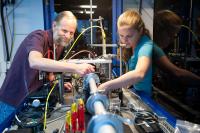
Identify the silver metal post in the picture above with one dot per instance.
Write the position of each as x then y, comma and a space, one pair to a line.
120, 60
91, 19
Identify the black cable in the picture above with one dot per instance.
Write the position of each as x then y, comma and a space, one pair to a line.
16, 6
13, 31
4, 31
29, 118
8, 23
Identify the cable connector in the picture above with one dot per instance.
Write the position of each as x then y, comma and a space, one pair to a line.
81, 115
74, 116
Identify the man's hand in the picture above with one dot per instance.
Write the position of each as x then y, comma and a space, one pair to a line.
84, 69
68, 86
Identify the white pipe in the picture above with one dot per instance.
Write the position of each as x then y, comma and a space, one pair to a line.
93, 86
106, 129
107, 45
99, 108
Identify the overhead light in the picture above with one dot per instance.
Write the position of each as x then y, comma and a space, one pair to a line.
77, 11
88, 6
82, 12
88, 12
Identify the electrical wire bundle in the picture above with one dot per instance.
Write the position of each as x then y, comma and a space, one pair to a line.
145, 121
30, 118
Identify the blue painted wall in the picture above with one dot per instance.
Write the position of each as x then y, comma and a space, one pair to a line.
21, 18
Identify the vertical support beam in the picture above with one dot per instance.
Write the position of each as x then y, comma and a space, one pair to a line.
48, 9
140, 7
190, 25
91, 23
45, 12
117, 8
52, 10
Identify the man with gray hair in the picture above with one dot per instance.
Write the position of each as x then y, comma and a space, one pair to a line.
39, 51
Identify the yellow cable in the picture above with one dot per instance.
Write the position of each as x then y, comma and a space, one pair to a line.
46, 105
103, 34
104, 41
195, 36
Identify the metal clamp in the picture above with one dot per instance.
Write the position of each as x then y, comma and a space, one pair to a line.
99, 121
87, 78
96, 97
